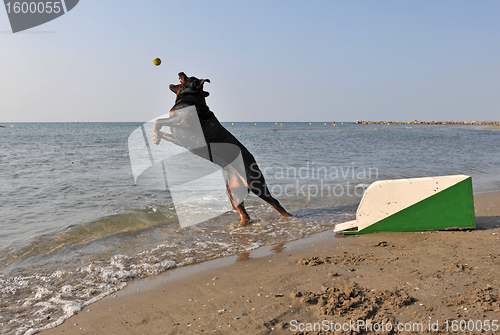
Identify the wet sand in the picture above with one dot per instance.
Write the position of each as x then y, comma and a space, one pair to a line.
493, 127
412, 280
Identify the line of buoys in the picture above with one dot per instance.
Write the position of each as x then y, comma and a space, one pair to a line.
278, 123
429, 122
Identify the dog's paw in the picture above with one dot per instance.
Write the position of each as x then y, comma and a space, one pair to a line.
155, 138
245, 222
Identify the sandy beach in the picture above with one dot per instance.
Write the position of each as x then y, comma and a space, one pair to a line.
427, 282
493, 127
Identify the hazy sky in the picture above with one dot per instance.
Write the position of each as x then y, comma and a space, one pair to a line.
267, 61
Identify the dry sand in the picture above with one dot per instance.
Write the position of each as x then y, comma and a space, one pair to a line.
411, 279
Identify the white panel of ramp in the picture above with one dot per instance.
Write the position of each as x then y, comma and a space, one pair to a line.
386, 197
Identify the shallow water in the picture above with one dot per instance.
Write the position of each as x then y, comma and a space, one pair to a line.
75, 227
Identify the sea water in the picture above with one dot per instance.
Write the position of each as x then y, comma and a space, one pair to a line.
74, 226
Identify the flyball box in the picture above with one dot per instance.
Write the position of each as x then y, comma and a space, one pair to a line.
417, 204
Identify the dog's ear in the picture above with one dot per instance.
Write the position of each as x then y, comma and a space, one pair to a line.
182, 77
175, 88
200, 86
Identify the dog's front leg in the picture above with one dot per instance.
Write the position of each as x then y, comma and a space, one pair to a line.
169, 122
158, 136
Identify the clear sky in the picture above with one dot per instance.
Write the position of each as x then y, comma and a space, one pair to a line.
267, 60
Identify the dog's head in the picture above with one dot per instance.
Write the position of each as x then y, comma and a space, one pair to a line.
189, 85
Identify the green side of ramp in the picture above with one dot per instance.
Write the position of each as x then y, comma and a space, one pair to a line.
452, 207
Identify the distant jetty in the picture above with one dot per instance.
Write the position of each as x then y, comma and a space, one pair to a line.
486, 123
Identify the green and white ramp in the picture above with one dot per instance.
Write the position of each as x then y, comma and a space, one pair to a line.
433, 203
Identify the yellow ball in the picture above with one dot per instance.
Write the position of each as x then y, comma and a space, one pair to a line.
156, 61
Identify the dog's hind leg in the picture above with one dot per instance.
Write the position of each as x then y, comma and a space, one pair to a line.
245, 218
257, 185
235, 191
265, 195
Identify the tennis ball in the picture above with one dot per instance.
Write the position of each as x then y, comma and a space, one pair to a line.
156, 61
